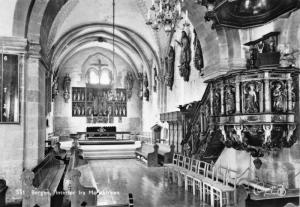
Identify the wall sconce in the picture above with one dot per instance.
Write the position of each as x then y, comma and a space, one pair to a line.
66, 87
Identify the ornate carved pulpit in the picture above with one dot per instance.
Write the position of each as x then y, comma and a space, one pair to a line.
254, 109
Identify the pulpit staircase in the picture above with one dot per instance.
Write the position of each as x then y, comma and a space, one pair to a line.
213, 149
210, 147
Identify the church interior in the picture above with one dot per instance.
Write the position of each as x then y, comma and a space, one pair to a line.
149, 103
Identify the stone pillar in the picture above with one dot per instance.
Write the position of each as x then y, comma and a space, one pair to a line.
267, 95
237, 95
289, 89
35, 119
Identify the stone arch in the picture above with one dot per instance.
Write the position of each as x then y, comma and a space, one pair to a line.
21, 17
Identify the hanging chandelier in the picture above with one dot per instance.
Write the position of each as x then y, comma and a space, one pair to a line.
164, 14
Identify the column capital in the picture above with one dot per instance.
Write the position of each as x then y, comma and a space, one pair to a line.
33, 49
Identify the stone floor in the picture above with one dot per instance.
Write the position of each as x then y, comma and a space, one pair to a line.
116, 178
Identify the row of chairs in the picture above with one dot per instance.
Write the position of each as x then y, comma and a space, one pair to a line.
215, 185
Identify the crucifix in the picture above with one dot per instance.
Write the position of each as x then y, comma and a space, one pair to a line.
99, 64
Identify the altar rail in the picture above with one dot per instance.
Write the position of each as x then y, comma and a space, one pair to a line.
99, 135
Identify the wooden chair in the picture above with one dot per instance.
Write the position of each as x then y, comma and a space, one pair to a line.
183, 170
189, 176
168, 167
199, 179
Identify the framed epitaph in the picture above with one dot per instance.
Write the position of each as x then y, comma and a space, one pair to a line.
9, 89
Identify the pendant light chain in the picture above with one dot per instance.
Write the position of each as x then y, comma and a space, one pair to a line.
114, 33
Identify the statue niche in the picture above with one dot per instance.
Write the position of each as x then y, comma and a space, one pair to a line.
251, 97
185, 56
170, 67
198, 57
279, 97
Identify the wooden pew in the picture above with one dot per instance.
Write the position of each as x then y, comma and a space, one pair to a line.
3, 189
165, 153
149, 154
79, 182
40, 184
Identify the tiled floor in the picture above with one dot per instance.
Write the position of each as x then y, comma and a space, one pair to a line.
116, 178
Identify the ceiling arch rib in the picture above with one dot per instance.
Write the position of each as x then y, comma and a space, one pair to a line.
105, 35
81, 29
71, 45
93, 45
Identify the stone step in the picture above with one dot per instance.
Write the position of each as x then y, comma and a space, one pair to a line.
109, 154
107, 157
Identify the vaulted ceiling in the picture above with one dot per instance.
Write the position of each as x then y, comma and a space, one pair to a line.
81, 24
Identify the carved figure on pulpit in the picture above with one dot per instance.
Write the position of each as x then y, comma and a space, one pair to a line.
238, 129
217, 102
268, 129
185, 56
293, 96
252, 57
251, 99
222, 128
278, 98
287, 56
260, 46
229, 100
291, 129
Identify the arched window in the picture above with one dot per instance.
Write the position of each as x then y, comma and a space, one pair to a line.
92, 76
105, 77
